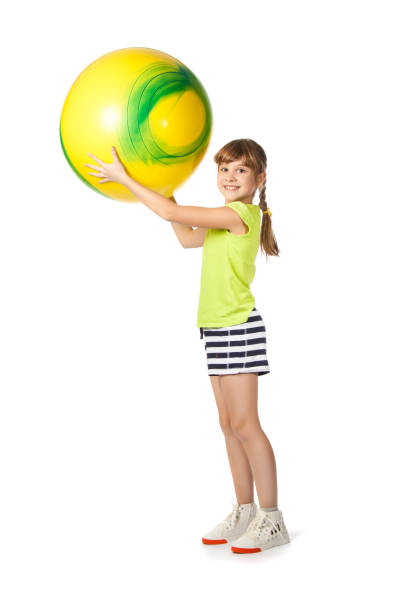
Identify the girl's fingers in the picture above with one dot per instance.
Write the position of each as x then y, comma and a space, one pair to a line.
101, 172
96, 159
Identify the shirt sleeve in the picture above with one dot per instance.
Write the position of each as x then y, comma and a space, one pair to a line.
242, 210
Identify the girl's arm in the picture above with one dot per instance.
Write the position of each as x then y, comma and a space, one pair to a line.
189, 238
197, 216
183, 232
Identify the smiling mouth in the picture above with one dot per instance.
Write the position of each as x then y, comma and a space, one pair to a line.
231, 187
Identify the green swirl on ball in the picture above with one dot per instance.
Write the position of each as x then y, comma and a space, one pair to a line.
157, 81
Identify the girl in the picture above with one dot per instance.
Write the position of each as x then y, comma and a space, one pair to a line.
232, 326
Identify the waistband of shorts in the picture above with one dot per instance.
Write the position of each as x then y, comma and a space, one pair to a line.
202, 328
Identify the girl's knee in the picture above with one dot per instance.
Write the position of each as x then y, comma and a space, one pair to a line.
244, 431
225, 425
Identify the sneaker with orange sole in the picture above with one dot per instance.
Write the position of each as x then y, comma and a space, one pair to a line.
266, 530
233, 526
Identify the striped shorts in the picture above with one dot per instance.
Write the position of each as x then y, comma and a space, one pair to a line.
238, 348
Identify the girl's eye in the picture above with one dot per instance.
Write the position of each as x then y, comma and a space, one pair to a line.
224, 168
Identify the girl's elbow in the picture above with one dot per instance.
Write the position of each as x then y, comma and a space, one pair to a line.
170, 212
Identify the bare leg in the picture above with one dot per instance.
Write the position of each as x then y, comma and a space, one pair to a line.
237, 457
240, 393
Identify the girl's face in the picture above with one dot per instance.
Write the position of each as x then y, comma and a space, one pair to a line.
237, 182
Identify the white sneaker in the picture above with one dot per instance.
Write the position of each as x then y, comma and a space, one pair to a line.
234, 525
266, 530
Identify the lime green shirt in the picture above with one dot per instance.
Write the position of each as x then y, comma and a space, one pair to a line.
228, 268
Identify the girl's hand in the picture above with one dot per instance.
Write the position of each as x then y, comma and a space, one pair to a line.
115, 171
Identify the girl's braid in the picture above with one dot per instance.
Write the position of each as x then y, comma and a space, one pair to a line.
262, 197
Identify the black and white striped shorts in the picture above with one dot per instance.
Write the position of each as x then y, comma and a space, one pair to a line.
238, 348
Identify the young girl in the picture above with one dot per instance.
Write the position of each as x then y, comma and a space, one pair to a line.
233, 328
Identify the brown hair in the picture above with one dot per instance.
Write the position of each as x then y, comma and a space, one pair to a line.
254, 157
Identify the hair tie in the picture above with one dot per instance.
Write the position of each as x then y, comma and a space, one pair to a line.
267, 211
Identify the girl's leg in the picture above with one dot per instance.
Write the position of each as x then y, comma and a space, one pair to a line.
240, 393
238, 460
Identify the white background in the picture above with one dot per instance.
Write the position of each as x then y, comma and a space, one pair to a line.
112, 461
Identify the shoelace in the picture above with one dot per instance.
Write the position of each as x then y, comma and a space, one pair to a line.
259, 521
231, 519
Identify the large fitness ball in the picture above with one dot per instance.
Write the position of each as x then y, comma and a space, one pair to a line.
147, 104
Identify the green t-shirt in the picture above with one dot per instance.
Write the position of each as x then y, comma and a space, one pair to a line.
228, 268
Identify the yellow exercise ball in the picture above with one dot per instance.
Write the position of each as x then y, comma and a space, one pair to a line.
147, 104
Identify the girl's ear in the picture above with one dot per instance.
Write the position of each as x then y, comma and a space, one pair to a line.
261, 178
